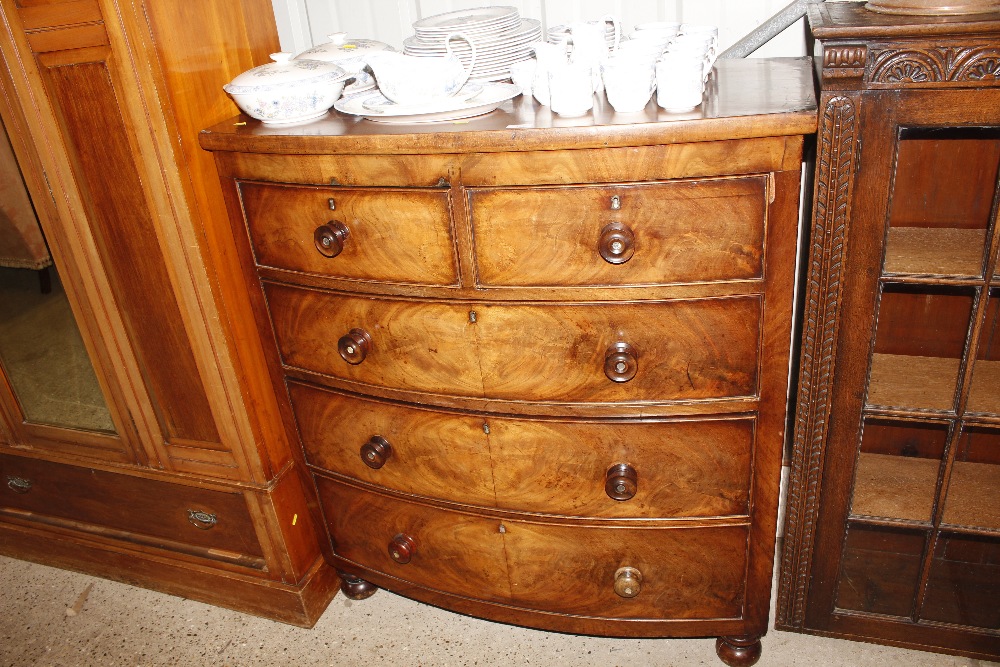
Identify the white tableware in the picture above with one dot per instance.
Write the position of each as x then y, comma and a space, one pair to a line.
522, 73
288, 90
661, 26
547, 57
679, 83
571, 89
376, 107
479, 20
416, 80
628, 83
351, 55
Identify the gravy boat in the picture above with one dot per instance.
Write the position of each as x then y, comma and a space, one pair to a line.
419, 79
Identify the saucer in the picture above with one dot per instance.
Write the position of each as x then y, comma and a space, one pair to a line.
371, 108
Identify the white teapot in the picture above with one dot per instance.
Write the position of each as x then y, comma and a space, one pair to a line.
418, 79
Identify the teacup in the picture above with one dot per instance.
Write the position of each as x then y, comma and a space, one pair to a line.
547, 57
522, 73
629, 83
679, 82
418, 79
571, 89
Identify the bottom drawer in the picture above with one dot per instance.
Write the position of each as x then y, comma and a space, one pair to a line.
690, 573
448, 551
145, 511
604, 571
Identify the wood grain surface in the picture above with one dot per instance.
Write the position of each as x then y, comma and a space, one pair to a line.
684, 232
687, 573
401, 236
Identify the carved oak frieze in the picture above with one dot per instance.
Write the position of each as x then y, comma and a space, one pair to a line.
937, 66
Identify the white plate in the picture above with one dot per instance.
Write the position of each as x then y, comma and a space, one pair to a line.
380, 103
492, 96
525, 30
463, 19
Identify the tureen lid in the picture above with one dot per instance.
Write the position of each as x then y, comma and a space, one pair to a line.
341, 48
284, 71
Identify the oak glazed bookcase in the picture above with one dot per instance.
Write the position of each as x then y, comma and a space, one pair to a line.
893, 524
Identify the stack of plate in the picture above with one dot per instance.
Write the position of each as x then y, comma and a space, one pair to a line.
560, 33
501, 37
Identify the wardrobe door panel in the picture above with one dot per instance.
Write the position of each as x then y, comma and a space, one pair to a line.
82, 88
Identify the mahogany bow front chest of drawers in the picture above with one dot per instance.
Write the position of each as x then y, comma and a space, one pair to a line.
539, 372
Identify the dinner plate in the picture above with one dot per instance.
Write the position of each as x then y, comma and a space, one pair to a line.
466, 19
454, 108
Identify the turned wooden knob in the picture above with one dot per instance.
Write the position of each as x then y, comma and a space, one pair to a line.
628, 582
401, 548
622, 482
376, 452
330, 238
617, 243
621, 362
354, 346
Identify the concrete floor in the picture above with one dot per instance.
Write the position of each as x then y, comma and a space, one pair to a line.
44, 623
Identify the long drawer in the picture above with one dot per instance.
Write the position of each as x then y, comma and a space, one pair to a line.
623, 234
600, 571
381, 235
135, 509
664, 468
563, 352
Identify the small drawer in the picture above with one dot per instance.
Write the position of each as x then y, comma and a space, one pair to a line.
440, 549
401, 344
379, 235
423, 452
654, 469
628, 573
134, 509
617, 235
595, 353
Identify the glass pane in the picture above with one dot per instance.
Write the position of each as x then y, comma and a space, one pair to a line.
964, 582
880, 569
941, 201
919, 342
973, 497
41, 351
897, 471
984, 397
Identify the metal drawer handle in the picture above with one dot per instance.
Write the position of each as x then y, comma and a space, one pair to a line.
201, 519
18, 484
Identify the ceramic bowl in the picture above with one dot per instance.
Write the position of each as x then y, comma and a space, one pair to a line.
349, 54
287, 90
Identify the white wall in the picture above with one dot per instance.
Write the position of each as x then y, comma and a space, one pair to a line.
304, 23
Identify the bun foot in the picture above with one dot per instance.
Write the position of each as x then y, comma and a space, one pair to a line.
356, 588
738, 651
